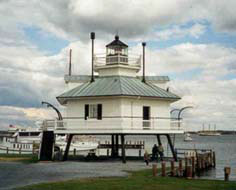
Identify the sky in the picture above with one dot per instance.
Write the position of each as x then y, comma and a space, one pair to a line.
191, 41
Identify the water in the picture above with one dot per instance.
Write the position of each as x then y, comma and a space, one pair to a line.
224, 146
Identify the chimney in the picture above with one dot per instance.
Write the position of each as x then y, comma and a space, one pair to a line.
70, 63
144, 44
92, 37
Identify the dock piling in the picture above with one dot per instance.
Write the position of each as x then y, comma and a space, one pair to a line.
227, 173
214, 159
189, 172
180, 168
154, 170
172, 166
193, 165
185, 165
163, 169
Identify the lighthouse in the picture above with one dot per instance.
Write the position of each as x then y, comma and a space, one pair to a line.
117, 101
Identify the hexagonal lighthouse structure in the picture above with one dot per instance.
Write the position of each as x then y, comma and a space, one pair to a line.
117, 101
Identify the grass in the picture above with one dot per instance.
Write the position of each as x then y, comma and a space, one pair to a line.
136, 180
25, 158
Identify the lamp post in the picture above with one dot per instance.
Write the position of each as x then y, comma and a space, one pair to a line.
179, 114
180, 111
53, 107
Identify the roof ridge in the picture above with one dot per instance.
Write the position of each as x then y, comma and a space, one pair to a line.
163, 90
121, 90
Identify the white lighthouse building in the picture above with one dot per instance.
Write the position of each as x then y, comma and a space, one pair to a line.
117, 101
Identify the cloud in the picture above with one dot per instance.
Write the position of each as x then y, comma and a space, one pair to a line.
22, 116
75, 19
214, 102
215, 60
179, 32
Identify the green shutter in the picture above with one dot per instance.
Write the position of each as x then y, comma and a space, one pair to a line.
86, 111
99, 114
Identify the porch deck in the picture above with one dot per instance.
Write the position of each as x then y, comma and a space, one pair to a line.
115, 126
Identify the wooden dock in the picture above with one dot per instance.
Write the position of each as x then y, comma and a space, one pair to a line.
193, 162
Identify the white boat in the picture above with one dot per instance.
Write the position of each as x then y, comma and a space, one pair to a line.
209, 132
187, 137
22, 141
27, 140
79, 144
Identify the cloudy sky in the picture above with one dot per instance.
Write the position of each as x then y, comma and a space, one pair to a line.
191, 41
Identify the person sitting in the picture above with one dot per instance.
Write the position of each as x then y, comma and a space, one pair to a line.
161, 151
146, 157
155, 152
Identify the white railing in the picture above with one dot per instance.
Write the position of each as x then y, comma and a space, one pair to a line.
131, 60
116, 124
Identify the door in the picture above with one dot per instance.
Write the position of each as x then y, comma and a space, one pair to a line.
146, 117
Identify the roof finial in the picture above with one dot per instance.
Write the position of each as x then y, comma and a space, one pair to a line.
117, 35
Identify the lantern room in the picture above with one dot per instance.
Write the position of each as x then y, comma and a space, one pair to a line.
116, 52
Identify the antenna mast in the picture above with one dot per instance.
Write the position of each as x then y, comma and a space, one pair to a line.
70, 62
144, 44
92, 36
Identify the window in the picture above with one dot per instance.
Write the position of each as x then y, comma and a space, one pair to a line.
24, 134
93, 111
34, 133
146, 116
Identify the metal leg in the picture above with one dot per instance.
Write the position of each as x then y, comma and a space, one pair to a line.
123, 148
158, 139
117, 146
172, 148
112, 146
67, 147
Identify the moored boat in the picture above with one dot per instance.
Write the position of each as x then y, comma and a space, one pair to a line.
187, 137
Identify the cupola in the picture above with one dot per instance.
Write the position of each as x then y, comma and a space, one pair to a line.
117, 61
116, 52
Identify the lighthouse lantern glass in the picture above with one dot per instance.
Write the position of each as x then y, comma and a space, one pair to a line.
117, 50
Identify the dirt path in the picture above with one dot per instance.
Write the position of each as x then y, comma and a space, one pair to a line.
14, 174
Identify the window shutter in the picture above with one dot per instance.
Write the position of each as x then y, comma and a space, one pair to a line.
86, 111
99, 114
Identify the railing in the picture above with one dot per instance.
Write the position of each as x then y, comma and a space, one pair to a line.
117, 124
131, 60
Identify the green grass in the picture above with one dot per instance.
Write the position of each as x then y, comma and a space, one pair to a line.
25, 158
137, 180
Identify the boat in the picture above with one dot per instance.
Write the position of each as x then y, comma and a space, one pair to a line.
209, 132
79, 143
187, 137
27, 140
19, 140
